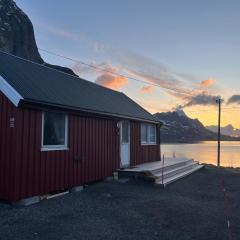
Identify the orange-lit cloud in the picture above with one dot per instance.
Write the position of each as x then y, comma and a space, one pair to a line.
111, 81
207, 82
146, 89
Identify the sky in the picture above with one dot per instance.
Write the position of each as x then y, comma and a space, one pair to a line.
186, 52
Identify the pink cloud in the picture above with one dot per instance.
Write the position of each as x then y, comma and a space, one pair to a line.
207, 82
111, 81
146, 89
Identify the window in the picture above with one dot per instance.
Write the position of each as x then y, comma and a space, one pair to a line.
125, 131
144, 134
148, 133
152, 133
54, 131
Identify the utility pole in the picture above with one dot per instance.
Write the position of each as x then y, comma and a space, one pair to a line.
219, 101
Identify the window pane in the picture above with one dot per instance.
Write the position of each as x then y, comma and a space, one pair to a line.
152, 133
54, 129
144, 133
125, 132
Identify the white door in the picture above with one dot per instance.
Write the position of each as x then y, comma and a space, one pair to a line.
125, 143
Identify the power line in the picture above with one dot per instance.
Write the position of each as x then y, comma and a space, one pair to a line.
129, 77
106, 70
96, 67
118, 74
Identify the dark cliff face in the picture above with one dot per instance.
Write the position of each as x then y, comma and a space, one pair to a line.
17, 34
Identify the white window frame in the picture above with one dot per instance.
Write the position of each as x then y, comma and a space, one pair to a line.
55, 147
144, 142
148, 134
128, 142
155, 132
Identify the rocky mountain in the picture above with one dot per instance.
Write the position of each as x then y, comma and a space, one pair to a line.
226, 130
178, 127
17, 34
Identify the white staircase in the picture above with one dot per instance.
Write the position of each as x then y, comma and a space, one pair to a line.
164, 175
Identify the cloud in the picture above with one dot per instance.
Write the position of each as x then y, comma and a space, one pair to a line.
107, 74
112, 81
163, 80
140, 69
183, 89
234, 99
175, 84
93, 68
61, 32
201, 99
99, 47
146, 89
152, 106
179, 86
155, 73
207, 82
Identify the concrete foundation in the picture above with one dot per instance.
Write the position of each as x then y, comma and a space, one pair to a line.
57, 195
108, 179
76, 189
27, 201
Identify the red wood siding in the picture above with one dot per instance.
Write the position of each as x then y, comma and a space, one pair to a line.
93, 154
26, 171
143, 153
7, 144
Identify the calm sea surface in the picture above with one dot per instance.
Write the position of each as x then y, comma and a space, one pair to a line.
206, 152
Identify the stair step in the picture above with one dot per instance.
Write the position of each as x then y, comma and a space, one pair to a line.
175, 171
173, 166
171, 179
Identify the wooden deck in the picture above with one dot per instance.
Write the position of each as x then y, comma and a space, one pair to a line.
163, 174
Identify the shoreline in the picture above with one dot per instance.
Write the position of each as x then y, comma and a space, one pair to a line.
195, 142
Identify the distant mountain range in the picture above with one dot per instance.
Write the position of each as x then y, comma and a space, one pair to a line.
178, 127
228, 130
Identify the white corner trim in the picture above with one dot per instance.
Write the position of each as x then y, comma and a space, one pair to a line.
9, 92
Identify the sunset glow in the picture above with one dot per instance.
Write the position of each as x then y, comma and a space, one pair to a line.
172, 61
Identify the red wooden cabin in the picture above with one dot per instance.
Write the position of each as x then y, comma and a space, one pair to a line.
58, 131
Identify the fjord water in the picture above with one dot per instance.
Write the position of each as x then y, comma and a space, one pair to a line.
206, 152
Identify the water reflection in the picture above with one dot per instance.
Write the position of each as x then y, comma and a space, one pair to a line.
206, 152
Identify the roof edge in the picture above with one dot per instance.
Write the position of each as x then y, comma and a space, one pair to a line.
56, 70
33, 102
10, 92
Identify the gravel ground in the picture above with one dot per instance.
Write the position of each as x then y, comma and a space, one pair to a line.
192, 208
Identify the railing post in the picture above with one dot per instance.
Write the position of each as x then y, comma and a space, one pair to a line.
162, 167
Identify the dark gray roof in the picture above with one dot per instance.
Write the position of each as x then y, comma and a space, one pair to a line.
41, 84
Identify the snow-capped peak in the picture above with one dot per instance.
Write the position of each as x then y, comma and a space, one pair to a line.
180, 112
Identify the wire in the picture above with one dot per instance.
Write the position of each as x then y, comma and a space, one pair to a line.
96, 67
121, 75
108, 71
129, 77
